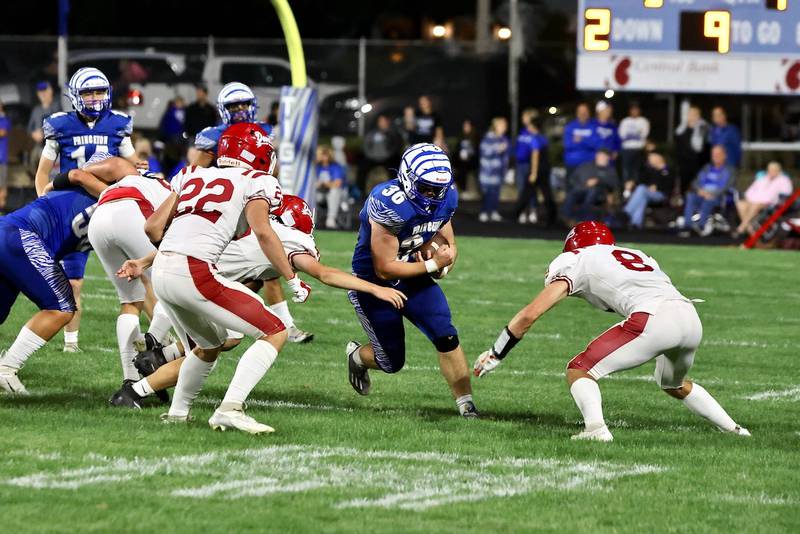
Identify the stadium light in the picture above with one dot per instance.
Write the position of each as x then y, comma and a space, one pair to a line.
366, 108
552, 110
609, 93
504, 33
438, 31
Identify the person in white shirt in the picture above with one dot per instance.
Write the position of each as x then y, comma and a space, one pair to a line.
633, 131
660, 324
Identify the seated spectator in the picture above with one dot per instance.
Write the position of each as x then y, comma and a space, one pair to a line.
331, 178
592, 184
707, 192
765, 191
654, 186
494, 151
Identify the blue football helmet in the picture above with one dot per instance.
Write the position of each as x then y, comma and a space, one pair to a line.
425, 175
89, 79
235, 93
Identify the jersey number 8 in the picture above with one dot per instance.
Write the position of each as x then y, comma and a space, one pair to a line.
631, 261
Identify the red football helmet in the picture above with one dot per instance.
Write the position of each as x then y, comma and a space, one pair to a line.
588, 233
295, 213
247, 145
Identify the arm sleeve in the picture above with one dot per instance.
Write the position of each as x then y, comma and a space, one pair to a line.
565, 268
48, 129
50, 150
126, 149
384, 215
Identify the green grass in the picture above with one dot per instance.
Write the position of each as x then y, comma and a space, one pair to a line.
392, 461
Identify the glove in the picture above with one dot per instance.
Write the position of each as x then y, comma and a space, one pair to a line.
485, 364
300, 289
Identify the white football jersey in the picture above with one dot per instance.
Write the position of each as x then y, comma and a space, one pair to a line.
244, 260
210, 210
613, 278
150, 193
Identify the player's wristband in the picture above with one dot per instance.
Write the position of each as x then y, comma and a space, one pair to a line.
504, 343
431, 266
61, 181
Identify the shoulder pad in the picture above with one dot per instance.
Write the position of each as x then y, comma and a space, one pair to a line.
206, 139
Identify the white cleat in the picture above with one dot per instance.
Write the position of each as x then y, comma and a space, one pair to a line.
597, 433
168, 419
298, 336
223, 420
741, 431
72, 347
9, 381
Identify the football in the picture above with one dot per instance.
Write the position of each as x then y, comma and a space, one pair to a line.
431, 246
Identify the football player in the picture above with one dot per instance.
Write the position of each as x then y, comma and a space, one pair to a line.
72, 138
400, 216
659, 324
34, 240
244, 261
132, 199
237, 103
206, 209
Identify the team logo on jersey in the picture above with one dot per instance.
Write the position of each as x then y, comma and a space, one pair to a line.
90, 140
432, 226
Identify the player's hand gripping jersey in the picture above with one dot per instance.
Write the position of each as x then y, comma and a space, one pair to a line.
210, 211
388, 206
614, 278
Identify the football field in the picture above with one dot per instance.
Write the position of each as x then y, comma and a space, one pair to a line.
401, 459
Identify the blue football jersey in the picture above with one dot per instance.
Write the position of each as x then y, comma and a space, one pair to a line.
387, 205
207, 138
77, 142
60, 219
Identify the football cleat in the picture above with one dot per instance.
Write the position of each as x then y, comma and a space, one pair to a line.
168, 419
741, 431
148, 361
237, 419
10, 382
469, 410
72, 347
162, 395
596, 433
126, 396
146, 342
358, 374
299, 336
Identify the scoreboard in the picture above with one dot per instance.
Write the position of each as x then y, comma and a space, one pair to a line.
698, 46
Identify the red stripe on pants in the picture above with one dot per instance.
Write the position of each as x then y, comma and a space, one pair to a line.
609, 341
240, 304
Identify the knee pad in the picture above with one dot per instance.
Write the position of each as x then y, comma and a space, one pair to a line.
446, 343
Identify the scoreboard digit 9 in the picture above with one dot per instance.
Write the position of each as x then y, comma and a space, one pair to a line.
706, 31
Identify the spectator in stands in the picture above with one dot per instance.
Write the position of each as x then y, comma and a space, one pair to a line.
633, 132
46, 107
593, 184
382, 146
274, 114
331, 178
427, 124
579, 140
654, 185
533, 170
144, 152
706, 194
495, 150
5, 130
466, 158
406, 124
172, 133
605, 129
691, 147
200, 114
765, 191
727, 135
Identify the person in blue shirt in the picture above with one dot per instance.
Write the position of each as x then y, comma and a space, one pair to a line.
73, 138
606, 134
535, 170
727, 135
331, 182
706, 194
494, 155
580, 141
236, 102
399, 217
5, 130
33, 240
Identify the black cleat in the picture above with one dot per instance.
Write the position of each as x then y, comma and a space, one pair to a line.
163, 396
126, 396
358, 375
148, 361
469, 410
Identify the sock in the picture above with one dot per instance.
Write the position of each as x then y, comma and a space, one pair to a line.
252, 367
357, 357
171, 352
191, 377
127, 332
700, 402
281, 309
160, 325
462, 401
143, 388
26, 344
71, 337
586, 393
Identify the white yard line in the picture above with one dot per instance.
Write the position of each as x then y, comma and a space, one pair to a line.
762, 499
791, 394
283, 404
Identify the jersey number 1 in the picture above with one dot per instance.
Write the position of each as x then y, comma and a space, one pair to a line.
188, 203
631, 261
